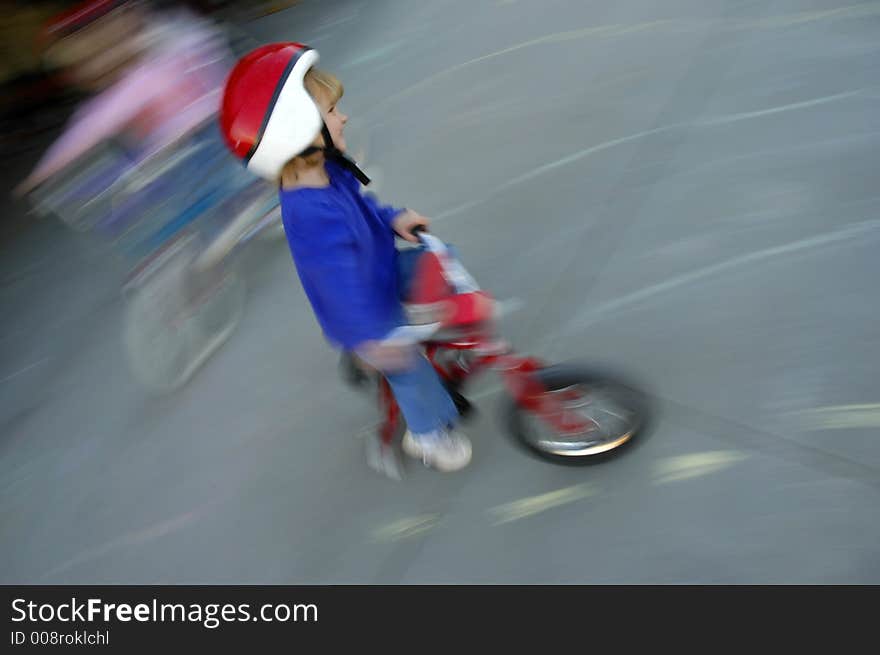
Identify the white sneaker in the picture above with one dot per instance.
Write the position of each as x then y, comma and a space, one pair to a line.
444, 451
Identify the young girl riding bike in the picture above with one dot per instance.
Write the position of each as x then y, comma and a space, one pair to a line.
280, 115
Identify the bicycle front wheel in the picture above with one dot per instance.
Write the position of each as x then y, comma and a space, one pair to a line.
587, 414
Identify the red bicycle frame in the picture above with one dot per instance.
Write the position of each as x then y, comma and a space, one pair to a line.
443, 283
517, 372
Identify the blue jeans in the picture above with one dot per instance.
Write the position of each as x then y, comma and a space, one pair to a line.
421, 396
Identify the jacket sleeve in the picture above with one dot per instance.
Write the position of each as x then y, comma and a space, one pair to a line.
387, 213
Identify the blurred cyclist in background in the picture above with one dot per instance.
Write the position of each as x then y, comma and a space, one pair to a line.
155, 74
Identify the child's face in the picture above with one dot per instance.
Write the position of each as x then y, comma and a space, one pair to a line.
334, 119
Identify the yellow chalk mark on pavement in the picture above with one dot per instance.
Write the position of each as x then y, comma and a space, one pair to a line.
694, 465
841, 417
520, 509
406, 528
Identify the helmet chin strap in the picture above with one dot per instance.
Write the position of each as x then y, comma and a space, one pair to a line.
332, 152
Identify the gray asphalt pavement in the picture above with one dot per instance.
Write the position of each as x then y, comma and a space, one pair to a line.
684, 190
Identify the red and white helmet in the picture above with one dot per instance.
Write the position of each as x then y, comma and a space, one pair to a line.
267, 116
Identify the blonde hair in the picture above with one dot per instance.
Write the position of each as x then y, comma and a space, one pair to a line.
321, 85
319, 82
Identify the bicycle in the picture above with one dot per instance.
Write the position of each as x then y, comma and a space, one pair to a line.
564, 413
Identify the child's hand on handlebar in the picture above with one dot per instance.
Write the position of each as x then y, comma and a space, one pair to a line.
404, 223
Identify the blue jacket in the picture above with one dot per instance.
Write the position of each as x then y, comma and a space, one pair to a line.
343, 248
